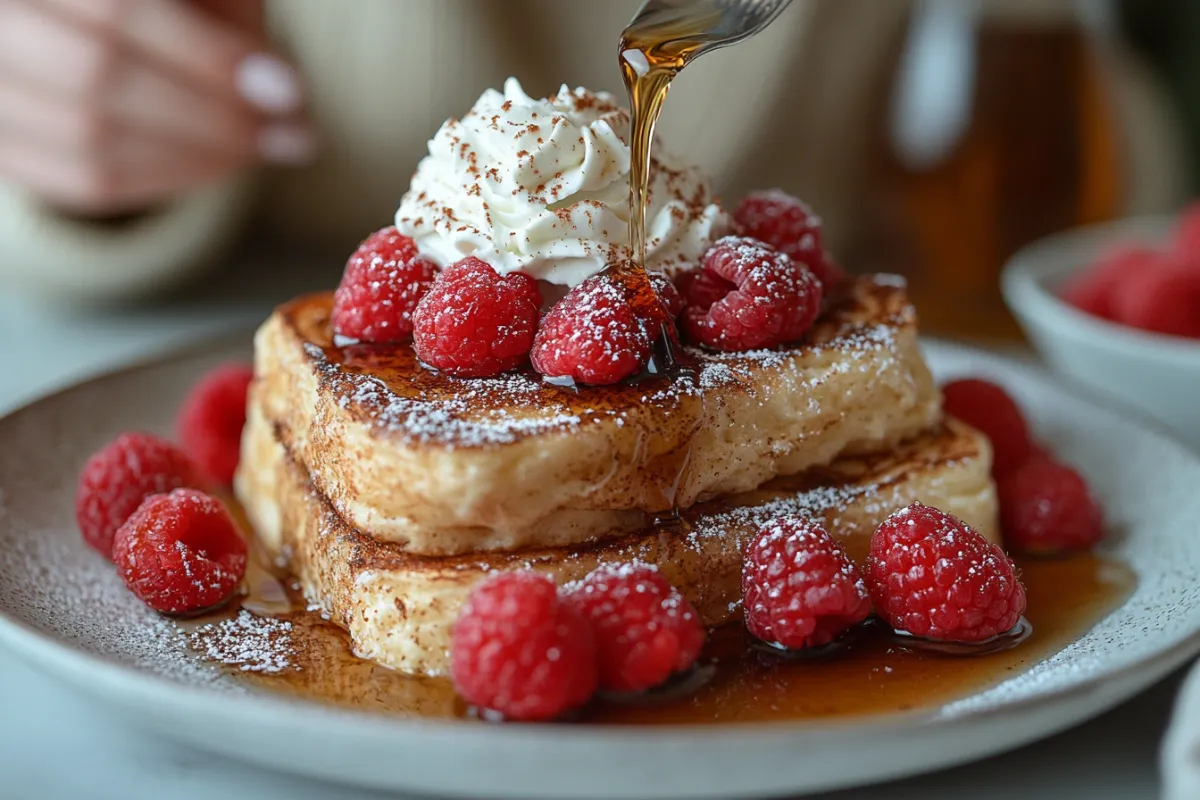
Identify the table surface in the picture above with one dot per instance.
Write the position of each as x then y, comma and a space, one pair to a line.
55, 744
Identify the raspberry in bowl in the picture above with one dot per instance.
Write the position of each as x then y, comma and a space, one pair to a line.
1069, 291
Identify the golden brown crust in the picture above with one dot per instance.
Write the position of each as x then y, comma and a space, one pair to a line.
443, 465
385, 386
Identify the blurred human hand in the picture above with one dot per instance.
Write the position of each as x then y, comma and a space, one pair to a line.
109, 106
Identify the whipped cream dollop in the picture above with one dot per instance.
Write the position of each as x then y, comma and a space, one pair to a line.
541, 186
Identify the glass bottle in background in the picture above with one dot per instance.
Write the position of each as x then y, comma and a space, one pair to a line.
997, 128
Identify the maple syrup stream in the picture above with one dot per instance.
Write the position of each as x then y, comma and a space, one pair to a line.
652, 51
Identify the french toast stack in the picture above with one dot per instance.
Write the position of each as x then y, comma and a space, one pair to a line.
390, 490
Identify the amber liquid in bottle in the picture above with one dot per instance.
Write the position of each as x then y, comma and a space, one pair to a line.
1031, 149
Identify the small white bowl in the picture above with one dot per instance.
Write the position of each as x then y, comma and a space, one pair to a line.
1152, 373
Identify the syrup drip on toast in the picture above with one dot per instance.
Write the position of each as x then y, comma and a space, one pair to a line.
650, 56
653, 50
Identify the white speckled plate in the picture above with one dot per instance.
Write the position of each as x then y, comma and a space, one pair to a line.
64, 610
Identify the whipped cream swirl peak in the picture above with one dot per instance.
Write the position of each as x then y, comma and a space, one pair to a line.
541, 186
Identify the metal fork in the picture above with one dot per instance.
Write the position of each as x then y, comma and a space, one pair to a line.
693, 27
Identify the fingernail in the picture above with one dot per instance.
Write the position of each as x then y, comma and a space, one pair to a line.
269, 84
287, 144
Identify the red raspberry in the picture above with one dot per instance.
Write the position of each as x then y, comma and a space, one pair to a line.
592, 336
829, 273
475, 322
799, 588
789, 225
384, 280
211, 419
1187, 233
931, 575
702, 289
1163, 298
775, 299
518, 650
667, 293
645, 629
531, 288
1093, 289
987, 407
116, 480
1046, 507
180, 552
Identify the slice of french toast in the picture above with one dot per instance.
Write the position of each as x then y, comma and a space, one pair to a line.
442, 465
400, 607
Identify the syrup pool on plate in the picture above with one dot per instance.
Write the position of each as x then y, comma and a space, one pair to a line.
299, 654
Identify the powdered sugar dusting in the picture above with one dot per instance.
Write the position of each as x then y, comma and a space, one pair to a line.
621, 570
247, 642
388, 389
49, 579
812, 505
854, 342
458, 420
76, 595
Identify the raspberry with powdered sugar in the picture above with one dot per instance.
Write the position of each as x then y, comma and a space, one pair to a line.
384, 280
475, 322
799, 588
932, 575
773, 300
592, 336
702, 289
667, 293
790, 226
180, 552
117, 478
645, 629
520, 651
